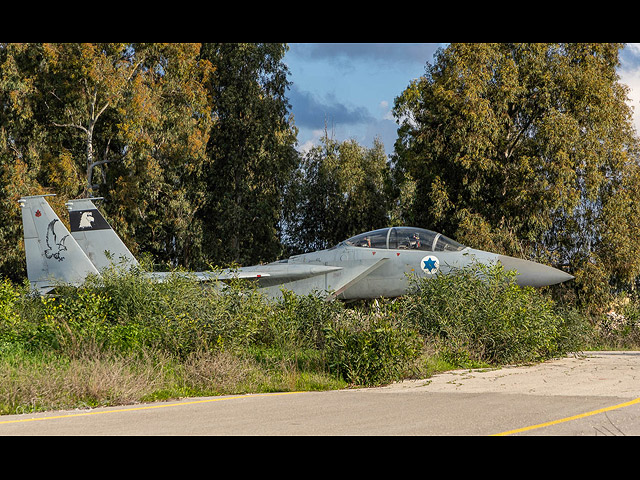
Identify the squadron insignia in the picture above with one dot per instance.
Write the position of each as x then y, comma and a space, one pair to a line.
86, 220
55, 248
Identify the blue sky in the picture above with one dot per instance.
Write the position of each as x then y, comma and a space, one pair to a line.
351, 87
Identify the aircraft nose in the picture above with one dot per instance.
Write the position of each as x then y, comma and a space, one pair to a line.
533, 274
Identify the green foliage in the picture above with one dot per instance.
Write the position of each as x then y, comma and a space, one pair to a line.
152, 181
479, 314
250, 152
189, 144
619, 326
9, 312
528, 150
124, 338
298, 321
524, 149
337, 191
370, 350
179, 315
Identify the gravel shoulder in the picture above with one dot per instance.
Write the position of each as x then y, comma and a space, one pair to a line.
603, 373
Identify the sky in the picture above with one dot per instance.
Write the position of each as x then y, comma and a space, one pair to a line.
350, 88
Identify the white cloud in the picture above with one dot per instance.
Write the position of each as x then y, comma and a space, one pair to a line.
387, 112
306, 146
634, 48
311, 138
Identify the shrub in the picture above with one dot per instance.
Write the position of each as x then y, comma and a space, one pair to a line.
180, 315
298, 321
202, 339
478, 313
9, 317
367, 349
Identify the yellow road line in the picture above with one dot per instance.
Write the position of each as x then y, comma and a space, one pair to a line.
147, 407
218, 399
568, 419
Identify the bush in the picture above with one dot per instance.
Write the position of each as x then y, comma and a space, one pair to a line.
367, 349
618, 326
180, 315
479, 314
9, 317
8, 297
298, 321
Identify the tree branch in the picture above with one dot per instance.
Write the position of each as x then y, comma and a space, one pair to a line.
79, 127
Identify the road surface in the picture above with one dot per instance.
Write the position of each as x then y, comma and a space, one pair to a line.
594, 394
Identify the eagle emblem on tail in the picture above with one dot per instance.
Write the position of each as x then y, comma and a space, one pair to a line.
86, 221
55, 248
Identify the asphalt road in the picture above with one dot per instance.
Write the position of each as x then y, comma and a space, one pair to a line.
594, 394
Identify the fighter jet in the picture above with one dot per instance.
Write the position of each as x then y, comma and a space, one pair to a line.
370, 265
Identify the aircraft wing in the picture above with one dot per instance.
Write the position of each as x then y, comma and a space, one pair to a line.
357, 274
207, 276
279, 273
267, 275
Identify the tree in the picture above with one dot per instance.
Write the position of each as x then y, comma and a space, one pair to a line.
82, 81
250, 152
129, 122
22, 149
339, 190
155, 188
527, 149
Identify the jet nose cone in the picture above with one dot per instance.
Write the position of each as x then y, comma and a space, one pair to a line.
533, 274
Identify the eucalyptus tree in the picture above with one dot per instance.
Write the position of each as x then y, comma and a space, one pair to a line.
154, 187
79, 83
528, 149
21, 147
125, 121
250, 152
339, 189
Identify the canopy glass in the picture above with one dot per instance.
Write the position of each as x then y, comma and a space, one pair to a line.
405, 238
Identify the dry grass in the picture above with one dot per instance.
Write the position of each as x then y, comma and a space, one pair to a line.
30, 383
90, 380
218, 372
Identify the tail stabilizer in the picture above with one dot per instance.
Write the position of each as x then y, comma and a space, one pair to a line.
53, 256
95, 236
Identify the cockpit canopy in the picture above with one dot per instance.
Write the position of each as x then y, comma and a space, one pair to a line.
405, 238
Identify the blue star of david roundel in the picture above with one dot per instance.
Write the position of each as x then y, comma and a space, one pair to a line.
430, 264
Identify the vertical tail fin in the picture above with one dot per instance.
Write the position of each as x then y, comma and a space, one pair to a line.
96, 237
52, 255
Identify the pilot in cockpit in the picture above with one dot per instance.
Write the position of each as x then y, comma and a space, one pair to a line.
366, 242
415, 240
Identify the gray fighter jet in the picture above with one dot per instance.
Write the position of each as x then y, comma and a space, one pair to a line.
370, 265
